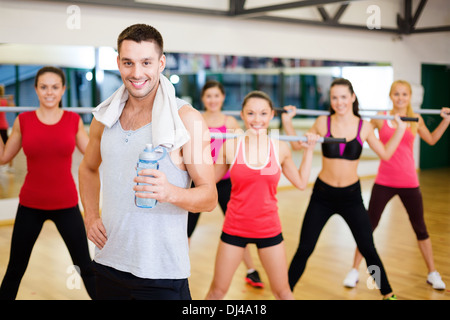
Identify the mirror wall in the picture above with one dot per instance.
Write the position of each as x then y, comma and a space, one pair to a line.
300, 82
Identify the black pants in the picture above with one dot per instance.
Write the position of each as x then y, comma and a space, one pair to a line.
4, 135
114, 284
326, 201
27, 227
412, 201
223, 193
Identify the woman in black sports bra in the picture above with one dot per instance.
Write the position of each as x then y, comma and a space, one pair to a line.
337, 188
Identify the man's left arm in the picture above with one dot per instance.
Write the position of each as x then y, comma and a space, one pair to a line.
197, 158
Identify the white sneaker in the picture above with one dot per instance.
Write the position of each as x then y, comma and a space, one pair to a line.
434, 278
351, 279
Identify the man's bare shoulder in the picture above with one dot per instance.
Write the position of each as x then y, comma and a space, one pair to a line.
96, 127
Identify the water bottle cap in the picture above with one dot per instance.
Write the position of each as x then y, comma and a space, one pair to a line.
152, 154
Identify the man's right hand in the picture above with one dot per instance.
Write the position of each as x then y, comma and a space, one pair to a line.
96, 232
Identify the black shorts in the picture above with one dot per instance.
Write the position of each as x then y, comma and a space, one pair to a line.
260, 242
112, 284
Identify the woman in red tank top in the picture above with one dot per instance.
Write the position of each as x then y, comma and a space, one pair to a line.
256, 163
5, 101
48, 137
213, 97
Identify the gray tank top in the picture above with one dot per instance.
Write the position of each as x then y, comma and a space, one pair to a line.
148, 243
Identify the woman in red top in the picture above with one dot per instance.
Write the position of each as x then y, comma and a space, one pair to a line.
213, 97
4, 126
48, 137
3, 122
255, 162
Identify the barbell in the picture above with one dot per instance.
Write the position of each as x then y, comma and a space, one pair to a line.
221, 135
306, 112
24, 109
419, 111
327, 113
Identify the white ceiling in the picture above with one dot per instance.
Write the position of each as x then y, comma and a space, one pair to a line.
425, 15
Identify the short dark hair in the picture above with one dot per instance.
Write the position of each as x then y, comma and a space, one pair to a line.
141, 32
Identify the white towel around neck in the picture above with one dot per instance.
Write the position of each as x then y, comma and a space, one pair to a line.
168, 129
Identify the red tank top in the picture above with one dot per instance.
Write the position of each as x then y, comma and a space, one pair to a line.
3, 122
49, 184
252, 211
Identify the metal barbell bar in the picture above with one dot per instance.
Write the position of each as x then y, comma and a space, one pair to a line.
221, 135
24, 109
306, 112
327, 113
419, 111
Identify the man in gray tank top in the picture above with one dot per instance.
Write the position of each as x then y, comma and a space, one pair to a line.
142, 253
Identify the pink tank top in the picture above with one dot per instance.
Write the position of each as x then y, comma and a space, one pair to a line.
400, 170
252, 211
216, 144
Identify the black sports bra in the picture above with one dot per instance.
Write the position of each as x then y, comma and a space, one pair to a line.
350, 150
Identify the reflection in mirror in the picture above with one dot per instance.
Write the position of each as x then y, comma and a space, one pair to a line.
303, 83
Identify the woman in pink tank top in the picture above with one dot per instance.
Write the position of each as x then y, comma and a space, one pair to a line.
256, 162
397, 176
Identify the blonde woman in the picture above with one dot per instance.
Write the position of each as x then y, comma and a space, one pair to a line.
397, 176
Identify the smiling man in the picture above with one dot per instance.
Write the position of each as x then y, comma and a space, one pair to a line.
143, 253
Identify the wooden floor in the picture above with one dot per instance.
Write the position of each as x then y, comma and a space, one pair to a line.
50, 276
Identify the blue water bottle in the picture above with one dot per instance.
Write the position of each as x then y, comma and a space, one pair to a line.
148, 159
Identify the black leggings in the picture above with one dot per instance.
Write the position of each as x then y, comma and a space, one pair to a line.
326, 201
223, 193
412, 201
27, 226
